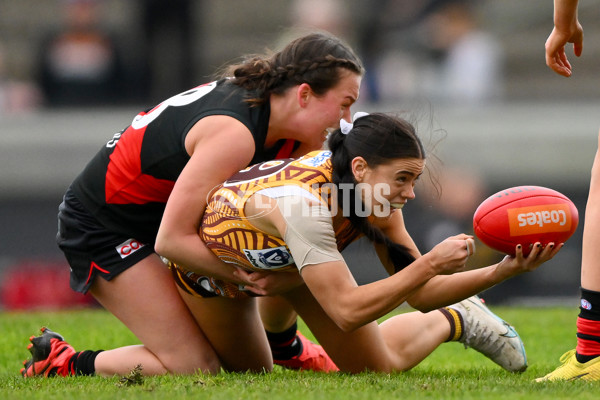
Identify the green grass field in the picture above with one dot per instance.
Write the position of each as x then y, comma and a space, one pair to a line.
451, 372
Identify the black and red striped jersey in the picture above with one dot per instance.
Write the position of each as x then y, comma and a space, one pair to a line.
127, 183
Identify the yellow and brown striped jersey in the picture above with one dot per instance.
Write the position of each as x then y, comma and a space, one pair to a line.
228, 232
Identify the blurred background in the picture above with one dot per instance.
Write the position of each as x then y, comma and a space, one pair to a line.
470, 74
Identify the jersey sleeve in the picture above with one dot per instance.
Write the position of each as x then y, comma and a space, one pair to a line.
309, 233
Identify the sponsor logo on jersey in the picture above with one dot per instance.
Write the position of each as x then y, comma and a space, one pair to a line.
274, 258
113, 142
318, 159
539, 219
128, 247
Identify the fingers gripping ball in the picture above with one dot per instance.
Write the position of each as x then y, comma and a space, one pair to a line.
525, 215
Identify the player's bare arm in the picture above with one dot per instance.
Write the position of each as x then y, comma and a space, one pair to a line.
178, 238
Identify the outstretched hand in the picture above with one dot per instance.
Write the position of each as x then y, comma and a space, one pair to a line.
515, 265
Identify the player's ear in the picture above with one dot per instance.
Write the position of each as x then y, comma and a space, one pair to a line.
303, 94
359, 168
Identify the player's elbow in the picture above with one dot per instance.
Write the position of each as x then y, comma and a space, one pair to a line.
347, 319
161, 249
163, 246
424, 308
420, 303
346, 325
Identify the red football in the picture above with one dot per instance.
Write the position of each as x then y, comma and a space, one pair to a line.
525, 215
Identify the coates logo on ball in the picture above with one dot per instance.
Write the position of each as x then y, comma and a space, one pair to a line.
525, 215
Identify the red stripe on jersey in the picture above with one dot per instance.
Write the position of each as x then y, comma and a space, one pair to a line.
125, 183
286, 150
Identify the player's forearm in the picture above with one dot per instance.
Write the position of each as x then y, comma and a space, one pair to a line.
565, 14
444, 290
192, 254
366, 303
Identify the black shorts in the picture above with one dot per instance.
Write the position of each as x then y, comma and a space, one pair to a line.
90, 248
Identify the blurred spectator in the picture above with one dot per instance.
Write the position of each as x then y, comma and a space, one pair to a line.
16, 96
80, 64
431, 48
385, 32
167, 46
467, 62
327, 15
318, 15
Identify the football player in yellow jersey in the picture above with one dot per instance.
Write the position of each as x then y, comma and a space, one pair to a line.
291, 214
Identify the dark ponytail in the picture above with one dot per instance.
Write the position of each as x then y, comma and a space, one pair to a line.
378, 138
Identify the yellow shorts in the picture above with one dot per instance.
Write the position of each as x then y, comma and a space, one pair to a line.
206, 286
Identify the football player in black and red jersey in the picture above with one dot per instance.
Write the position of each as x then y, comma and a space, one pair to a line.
145, 192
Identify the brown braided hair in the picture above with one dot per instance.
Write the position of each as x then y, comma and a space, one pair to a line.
317, 59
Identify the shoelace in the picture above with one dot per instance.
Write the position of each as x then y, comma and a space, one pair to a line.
567, 356
484, 342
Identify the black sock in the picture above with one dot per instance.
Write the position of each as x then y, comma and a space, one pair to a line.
82, 363
590, 305
285, 345
588, 326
